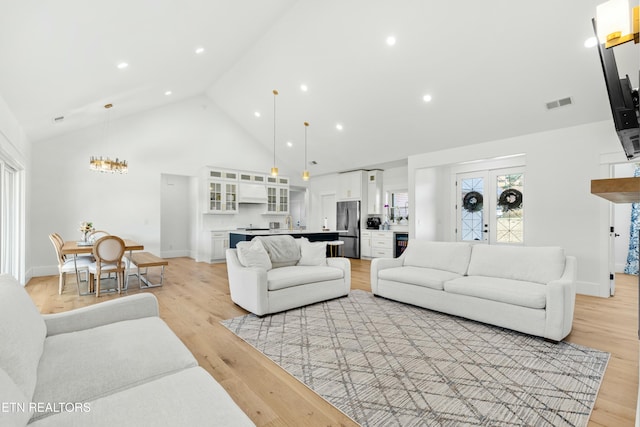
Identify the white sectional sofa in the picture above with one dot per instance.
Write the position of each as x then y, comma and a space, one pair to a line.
114, 363
277, 273
527, 289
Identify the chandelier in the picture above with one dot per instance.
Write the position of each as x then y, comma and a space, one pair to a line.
108, 165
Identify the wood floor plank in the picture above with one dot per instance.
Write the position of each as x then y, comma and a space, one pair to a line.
195, 298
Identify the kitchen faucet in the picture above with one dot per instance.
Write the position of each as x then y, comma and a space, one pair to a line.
289, 222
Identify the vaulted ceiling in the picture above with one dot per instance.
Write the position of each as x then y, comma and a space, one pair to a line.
490, 68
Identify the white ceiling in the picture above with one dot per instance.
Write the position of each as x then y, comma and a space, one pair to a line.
490, 67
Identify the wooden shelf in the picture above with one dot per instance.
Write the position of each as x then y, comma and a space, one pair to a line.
617, 190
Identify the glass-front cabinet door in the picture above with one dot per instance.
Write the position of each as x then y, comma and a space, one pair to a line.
272, 199
277, 195
222, 197
215, 196
231, 198
283, 200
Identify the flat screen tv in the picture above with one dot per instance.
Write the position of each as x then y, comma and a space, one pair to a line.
623, 100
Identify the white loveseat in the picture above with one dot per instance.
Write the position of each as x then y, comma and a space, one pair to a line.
277, 273
114, 363
527, 289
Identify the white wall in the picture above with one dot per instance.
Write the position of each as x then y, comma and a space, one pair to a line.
560, 209
178, 139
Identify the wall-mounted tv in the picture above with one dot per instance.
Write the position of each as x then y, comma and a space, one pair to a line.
623, 100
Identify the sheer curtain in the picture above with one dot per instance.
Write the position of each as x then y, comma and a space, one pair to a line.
632, 255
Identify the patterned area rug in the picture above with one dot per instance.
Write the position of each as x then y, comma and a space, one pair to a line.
384, 363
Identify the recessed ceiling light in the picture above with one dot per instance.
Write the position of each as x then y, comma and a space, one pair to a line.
391, 40
427, 98
289, 144
199, 51
339, 126
257, 114
168, 93
123, 65
591, 42
304, 88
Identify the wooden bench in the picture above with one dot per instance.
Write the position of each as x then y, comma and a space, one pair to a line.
144, 260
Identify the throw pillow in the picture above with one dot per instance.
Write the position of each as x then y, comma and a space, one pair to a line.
312, 253
253, 254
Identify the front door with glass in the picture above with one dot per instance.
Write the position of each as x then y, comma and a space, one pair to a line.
490, 206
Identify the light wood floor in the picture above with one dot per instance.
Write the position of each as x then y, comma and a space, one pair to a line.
195, 297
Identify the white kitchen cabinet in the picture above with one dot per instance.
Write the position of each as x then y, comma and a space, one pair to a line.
219, 245
222, 197
382, 244
221, 191
277, 195
374, 184
365, 244
252, 177
350, 185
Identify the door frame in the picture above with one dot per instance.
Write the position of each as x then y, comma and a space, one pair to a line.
489, 175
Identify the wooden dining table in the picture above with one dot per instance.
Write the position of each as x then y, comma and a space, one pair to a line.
75, 248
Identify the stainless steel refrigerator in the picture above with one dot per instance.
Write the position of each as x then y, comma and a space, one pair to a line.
348, 220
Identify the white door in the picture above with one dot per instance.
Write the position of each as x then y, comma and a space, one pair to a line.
489, 206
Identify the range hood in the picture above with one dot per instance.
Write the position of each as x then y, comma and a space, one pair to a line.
252, 193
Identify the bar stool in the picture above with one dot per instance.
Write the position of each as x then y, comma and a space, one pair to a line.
334, 247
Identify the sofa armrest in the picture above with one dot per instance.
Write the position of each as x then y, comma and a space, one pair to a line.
116, 310
247, 285
345, 265
378, 264
561, 297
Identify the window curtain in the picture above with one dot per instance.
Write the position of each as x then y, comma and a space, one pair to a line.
632, 255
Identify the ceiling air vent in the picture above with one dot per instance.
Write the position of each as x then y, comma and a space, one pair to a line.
559, 103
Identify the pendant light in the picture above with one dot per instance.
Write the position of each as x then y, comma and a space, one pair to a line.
274, 169
107, 165
305, 172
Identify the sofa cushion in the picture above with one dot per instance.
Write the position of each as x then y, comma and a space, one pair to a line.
187, 398
15, 410
283, 250
312, 253
286, 277
531, 264
96, 362
253, 254
449, 256
420, 276
508, 291
22, 335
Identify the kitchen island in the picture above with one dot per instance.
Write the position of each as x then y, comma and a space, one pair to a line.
313, 236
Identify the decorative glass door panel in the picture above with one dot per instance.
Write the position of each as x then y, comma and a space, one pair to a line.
509, 210
272, 199
284, 200
470, 208
215, 196
230, 194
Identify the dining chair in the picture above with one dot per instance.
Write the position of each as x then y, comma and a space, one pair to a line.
68, 264
108, 252
97, 234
